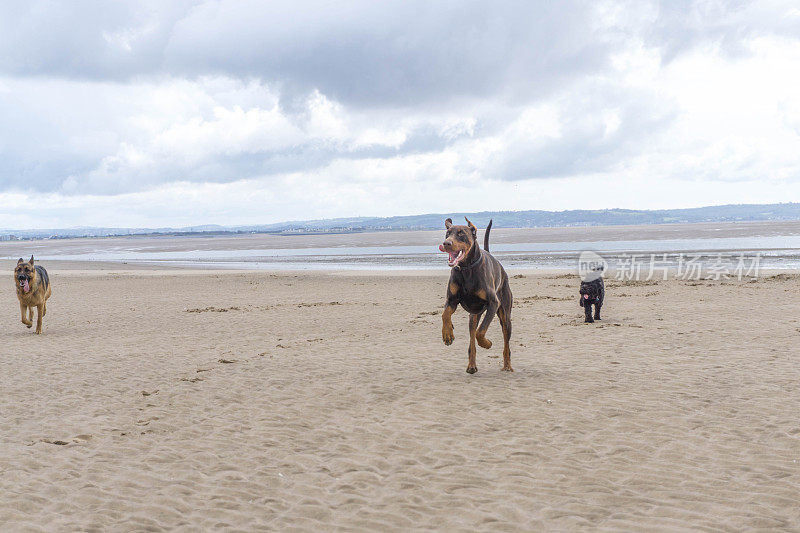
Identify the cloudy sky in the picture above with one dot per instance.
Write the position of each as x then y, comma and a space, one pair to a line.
240, 112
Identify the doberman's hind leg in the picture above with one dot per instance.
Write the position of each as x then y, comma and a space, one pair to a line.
597, 311
491, 311
483, 341
472, 366
505, 322
27, 318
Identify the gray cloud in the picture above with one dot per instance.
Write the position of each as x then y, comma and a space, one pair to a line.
372, 53
393, 53
93, 40
364, 52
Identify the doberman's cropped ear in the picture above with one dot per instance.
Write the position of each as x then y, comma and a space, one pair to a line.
448, 223
472, 227
20, 261
31, 261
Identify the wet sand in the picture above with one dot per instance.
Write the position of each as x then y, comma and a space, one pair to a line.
396, 238
167, 399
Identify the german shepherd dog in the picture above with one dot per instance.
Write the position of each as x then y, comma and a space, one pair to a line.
33, 290
479, 284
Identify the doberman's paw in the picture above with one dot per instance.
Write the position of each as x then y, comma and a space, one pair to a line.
483, 342
508, 368
447, 336
27, 324
39, 331
588, 321
472, 369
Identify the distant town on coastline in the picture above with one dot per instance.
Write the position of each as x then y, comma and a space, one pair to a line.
504, 219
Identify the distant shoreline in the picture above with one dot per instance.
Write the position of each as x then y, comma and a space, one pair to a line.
531, 219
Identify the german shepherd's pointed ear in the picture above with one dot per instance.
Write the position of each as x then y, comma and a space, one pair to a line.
473, 228
448, 223
20, 261
31, 261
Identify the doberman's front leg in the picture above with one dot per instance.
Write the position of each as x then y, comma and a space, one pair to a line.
597, 307
491, 311
587, 308
450, 307
472, 365
447, 325
24, 310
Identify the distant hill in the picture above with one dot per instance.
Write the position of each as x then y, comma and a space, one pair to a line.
502, 219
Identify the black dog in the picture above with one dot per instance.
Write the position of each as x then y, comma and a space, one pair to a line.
592, 292
479, 283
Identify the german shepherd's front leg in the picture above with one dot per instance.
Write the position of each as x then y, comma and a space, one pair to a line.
24, 310
450, 307
39, 315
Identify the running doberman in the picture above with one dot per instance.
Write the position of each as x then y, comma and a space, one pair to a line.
479, 283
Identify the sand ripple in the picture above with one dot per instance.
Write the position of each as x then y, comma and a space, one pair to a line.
287, 412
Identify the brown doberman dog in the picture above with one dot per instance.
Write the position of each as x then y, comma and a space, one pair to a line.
479, 283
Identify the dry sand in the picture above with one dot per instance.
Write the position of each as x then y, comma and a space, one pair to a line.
259, 401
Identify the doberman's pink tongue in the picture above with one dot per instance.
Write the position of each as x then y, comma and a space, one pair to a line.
441, 248
26, 286
585, 296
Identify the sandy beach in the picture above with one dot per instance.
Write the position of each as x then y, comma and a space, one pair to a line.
248, 401
247, 211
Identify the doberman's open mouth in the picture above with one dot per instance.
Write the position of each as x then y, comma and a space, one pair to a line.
453, 257
25, 285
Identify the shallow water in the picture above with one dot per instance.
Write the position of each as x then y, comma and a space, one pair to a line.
772, 252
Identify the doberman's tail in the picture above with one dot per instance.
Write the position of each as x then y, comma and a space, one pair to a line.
486, 236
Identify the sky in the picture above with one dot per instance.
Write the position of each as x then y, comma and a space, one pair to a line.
178, 113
